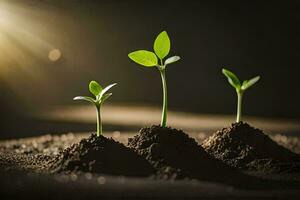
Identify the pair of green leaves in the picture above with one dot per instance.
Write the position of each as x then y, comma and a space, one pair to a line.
161, 48
99, 93
235, 82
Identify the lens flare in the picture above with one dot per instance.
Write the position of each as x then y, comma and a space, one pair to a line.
28, 43
54, 55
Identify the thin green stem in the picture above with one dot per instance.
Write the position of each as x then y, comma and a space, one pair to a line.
99, 123
165, 98
239, 106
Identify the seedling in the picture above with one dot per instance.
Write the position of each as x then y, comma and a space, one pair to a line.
146, 58
239, 88
100, 96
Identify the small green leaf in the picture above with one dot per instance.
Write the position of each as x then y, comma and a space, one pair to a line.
162, 45
143, 57
232, 78
84, 98
95, 88
106, 89
105, 96
249, 83
244, 83
172, 60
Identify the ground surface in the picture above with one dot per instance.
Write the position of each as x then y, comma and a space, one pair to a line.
16, 154
245, 147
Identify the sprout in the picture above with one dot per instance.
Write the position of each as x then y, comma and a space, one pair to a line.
145, 58
100, 97
239, 88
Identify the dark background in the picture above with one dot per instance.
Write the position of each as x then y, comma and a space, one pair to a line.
249, 37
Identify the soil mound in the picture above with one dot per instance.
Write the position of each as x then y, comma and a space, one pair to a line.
175, 156
102, 155
248, 148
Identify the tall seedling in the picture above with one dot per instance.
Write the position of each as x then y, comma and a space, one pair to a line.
146, 58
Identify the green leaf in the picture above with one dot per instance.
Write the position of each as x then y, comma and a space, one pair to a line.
106, 89
249, 83
244, 83
232, 78
143, 57
84, 98
172, 60
95, 88
105, 96
162, 45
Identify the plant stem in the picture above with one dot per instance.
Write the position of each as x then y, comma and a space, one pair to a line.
165, 98
239, 106
99, 123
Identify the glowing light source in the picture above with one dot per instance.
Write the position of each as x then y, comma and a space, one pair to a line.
28, 40
54, 55
23, 40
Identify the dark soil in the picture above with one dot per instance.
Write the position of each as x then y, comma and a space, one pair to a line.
247, 148
83, 167
101, 155
175, 156
19, 162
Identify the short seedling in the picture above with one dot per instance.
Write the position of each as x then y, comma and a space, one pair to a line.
239, 88
100, 97
146, 58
